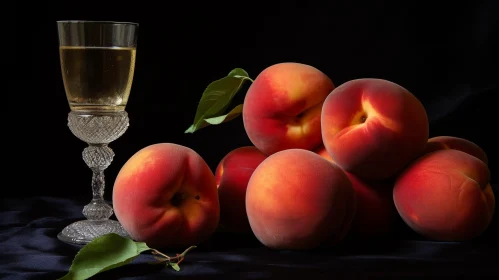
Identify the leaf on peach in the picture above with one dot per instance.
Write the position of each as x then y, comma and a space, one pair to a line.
216, 98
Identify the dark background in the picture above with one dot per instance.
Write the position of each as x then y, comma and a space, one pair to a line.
446, 56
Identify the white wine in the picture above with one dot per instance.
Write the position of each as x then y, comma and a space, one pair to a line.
97, 78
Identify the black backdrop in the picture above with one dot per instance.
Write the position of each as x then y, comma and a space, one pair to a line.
446, 56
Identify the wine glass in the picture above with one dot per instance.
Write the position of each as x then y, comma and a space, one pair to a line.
98, 62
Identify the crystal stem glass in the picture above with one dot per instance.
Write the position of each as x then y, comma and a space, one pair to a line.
98, 62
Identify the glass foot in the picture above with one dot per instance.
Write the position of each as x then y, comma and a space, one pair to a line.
82, 232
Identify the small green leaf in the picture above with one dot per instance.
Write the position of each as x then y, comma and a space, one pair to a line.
175, 266
104, 253
217, 97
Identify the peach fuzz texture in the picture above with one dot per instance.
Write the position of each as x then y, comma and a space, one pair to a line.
375, 214
232, 176
373, 128
456, 143
282, 107
166, 195
296, 200
445, 196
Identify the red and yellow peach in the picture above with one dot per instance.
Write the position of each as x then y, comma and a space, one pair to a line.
373, 128
232, 176
282, 107
445, 195
166, 195
375, 215
456, 143
297, 200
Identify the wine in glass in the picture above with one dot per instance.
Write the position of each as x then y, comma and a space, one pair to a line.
97, 62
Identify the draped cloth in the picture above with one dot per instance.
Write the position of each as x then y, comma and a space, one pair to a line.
29, 249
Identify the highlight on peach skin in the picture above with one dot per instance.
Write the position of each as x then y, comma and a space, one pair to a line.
232, 176
373, 127
375, 214
446, 196
282, 107
297, 200
456, 143
166, 195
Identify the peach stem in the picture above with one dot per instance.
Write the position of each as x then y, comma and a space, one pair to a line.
164, 258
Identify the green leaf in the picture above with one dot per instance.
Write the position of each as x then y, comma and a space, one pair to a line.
175, 266
216, 98
104, 253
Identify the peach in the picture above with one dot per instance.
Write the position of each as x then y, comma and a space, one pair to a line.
375, 215
373, 128
282, 107
445, 196
232, 176
456, 143
166, 195
296, 200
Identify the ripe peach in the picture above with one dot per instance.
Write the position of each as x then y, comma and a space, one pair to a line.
282, 107
166, 195
373, 128
296, 200
375, 215
446, 196
456, 143
232, 176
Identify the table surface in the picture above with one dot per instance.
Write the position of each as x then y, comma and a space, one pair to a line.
29, 249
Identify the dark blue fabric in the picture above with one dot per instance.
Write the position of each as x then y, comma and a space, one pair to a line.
29, 249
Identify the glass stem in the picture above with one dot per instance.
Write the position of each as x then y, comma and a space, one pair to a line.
98, 157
